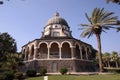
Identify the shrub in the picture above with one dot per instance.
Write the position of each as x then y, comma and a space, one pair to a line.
8, 75
43, 71
63, 70
31, 73
114, 70
18, 75
2, 77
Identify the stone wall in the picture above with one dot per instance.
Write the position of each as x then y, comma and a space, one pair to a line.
53, 66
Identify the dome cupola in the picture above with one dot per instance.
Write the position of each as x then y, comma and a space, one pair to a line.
56, 19
56, 27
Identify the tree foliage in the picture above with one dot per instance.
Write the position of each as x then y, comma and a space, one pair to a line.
99, 22
114, 1
7, 45
2, 2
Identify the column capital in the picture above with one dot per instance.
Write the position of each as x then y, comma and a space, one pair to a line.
35, 47
72, 47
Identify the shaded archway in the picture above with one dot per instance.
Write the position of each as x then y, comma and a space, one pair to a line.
32, 52
83, 52
27, 53
54, 50
77, 52
42, 51
24, 54
65, 50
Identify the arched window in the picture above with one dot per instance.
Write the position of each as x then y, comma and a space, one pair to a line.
77, 52
32, 52
27, 53
42, 51
24, 54
54, 50
66, 50
83, 52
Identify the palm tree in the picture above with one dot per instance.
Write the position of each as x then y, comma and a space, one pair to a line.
106, 59
115, 58
100, 21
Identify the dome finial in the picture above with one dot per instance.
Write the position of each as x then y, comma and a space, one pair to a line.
56, 14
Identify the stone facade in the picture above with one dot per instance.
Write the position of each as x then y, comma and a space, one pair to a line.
53, 66
57, 48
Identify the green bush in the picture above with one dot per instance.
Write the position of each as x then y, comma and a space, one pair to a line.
43, 71
113, 70
63, 70
18, 75
3, 77
31, 73
7, 75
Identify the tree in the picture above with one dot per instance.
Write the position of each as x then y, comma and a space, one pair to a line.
2, 2
115, 58
100, 21
114, 1
7, 45
106, 59
13, 61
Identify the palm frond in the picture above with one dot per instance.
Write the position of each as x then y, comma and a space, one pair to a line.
110, 20
87, 31
85, 25
81, 28
95, 15
89, 19
104, 31
90, 34
100, 14
118, 29
106, 15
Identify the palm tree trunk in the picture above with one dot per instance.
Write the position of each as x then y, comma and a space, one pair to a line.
108, 64
99, 53
116, 64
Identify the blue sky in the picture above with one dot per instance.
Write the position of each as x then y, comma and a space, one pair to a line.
25, 20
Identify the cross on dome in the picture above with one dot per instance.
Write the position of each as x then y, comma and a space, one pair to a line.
56, 14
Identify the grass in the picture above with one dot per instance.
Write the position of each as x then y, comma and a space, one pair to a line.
80, 77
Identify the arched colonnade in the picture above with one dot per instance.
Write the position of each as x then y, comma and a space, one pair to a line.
56, 50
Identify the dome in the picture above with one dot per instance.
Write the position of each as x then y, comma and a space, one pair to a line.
56, 19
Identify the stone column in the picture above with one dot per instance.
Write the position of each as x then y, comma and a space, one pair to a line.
86, 53
28, 56
48, 52
60, 55
73, 52
81, 53
35, 52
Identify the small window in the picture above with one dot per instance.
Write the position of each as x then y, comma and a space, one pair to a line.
55, 34
56, 26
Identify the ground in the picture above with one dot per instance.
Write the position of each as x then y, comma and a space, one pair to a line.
80, 77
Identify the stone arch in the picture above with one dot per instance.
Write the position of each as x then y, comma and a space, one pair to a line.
66, 42
54, 42
88, 50
54, 50
77, 51
32, 51
24, 53
83, 49
42, 51
41, 43
77, 44
27, 53
65, 50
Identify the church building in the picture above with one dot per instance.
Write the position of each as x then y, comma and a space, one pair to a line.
57, 48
